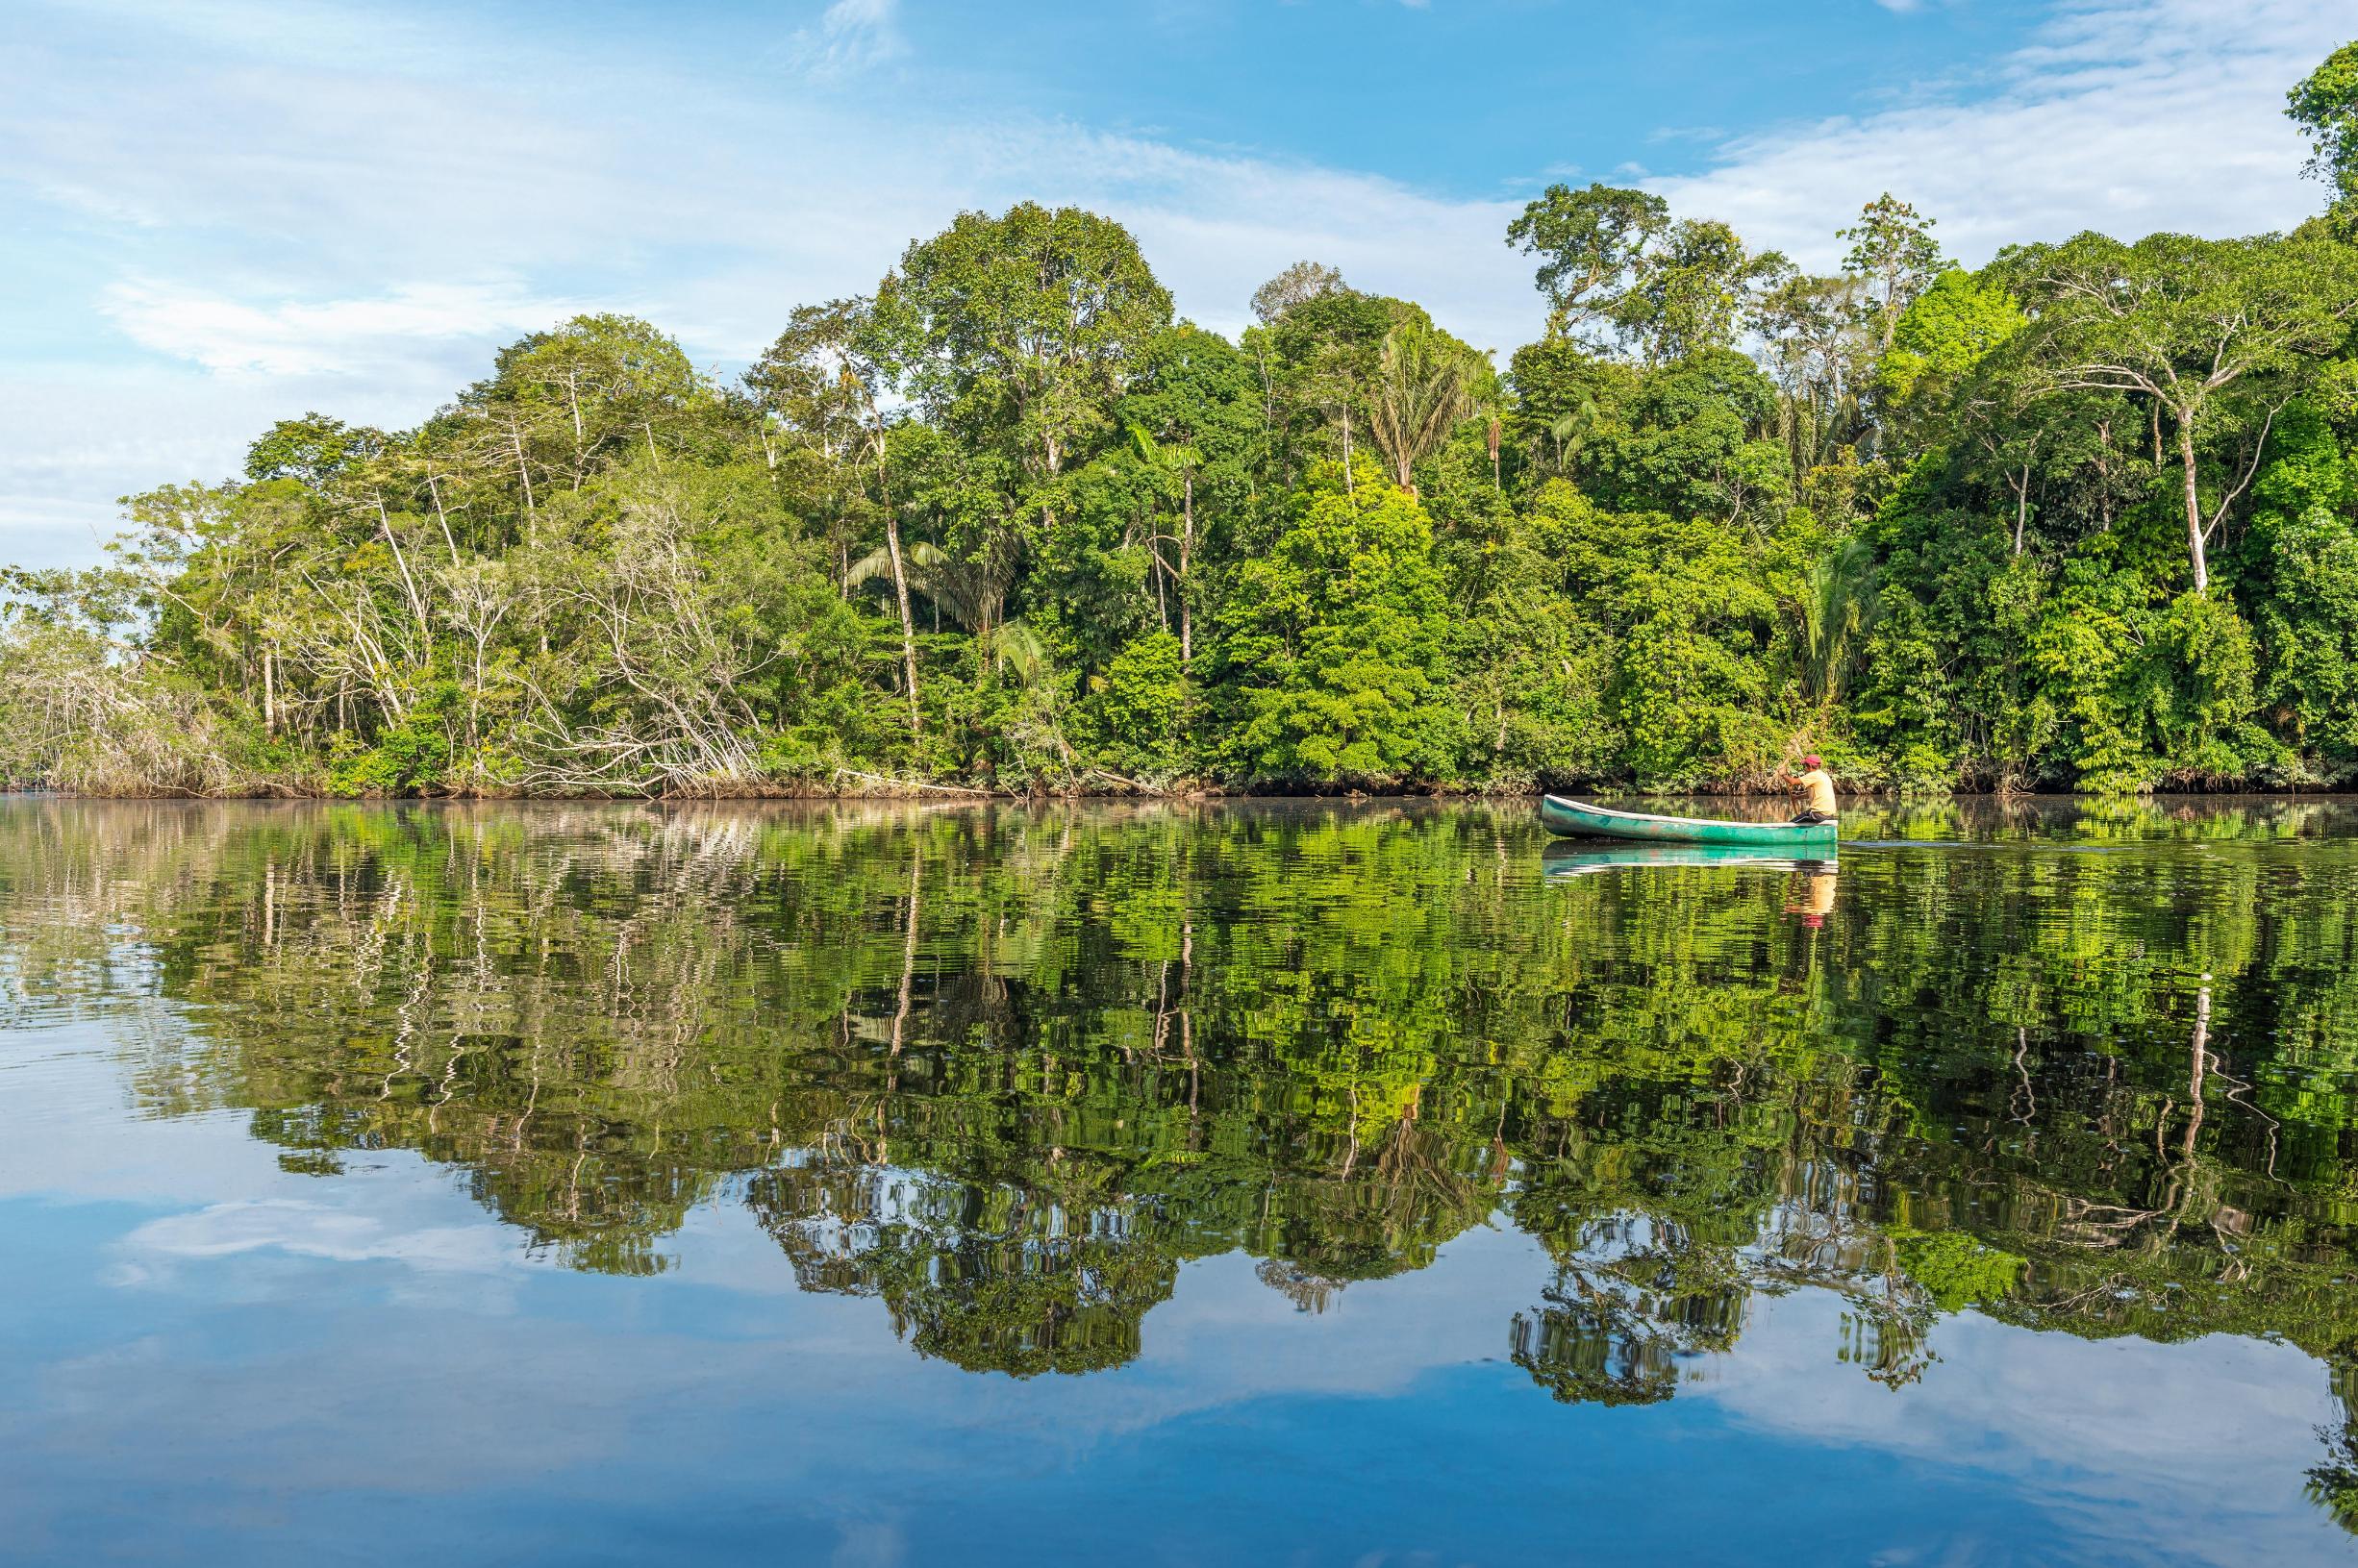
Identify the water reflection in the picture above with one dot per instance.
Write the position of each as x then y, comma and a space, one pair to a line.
1811, 893
1005, 1072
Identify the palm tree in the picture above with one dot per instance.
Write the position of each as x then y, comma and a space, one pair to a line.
1571, 429
1838, 603
968, 591
1423, 386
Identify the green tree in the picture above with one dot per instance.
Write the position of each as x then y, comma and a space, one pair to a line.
1019, 332
1591, 243
1695, 287
1818, 354
2218, 336
1193, 420
1693, 440
1301, 281
1332, 643
2325, 105
1618, 271
1424, 385
315, 449
1942, 334
1892, 249
819, 384
2301, 582
566, 403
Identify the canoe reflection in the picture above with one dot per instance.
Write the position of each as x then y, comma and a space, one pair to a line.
1575, 860
1809, 895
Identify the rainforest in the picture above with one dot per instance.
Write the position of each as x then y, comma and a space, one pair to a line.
2082, 518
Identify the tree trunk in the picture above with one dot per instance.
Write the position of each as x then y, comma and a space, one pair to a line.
1187, 551
2202, 1062
909, 627
2021, 507
523, 470
418, 603
908, 947
449, 542
2104, 473
2196, 543
900, 587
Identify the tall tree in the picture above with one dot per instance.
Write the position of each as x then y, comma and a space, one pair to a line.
1320, 361
1618, 272
2219, 335
1018, 332
819, 381
1424, 385
1300, 282
1693, 287
1892, 247
1958, 318
1814, 347
313, 448
2325, 106
1334, 640
595, 386
1192, 419
1590, 243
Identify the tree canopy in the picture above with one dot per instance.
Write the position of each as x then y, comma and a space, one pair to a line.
2077, 518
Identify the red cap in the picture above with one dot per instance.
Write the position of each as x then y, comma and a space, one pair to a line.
1813, 762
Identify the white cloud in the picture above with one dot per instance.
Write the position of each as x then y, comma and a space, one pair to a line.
357, 233
78, 436
316, 1229
331, 338
2126, 117
2095, 1431
852, 35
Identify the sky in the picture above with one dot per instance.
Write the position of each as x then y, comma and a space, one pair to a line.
221, 213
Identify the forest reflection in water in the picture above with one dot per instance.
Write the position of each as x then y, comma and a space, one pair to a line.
1005, 1070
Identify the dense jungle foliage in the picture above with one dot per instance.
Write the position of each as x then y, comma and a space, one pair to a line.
1005, 1070
2086, 517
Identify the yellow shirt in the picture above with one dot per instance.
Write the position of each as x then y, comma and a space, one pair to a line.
1818, 788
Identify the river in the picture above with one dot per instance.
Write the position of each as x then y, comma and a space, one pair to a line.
1303, 1182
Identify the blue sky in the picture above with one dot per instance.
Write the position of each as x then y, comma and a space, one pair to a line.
225, 210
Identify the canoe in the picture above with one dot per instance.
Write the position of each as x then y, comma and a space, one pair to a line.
1583, 860
1580, 819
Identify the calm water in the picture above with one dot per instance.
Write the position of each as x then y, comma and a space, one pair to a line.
1302, 1184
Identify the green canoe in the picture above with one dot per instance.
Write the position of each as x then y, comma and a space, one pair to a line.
1579, 819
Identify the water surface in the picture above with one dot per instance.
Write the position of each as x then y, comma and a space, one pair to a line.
1308, 1183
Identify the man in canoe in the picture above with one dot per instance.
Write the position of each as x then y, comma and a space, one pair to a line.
1815, 787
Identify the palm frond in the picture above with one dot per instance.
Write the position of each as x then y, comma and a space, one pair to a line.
1423, 386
